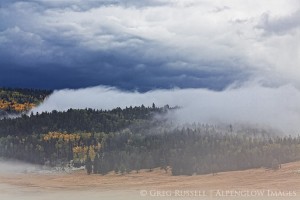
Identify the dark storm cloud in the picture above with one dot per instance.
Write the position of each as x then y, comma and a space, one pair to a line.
130, 44
121, 68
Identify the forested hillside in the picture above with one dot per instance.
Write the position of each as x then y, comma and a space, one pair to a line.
85, 120
13, 101
134, 138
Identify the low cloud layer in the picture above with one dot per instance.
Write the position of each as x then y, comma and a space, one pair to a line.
13, 166
249, 104
148, 45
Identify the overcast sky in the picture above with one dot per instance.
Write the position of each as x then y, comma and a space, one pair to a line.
144, 45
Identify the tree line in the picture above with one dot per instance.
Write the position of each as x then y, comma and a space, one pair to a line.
134, 138
82, 120
13, 101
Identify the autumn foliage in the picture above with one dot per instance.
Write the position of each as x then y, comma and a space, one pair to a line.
20, 100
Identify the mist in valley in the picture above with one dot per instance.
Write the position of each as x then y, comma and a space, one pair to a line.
251, 104
251, 109
229, 117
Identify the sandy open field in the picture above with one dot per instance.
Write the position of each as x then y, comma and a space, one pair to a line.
248, 184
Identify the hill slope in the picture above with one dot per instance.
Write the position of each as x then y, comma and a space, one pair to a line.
13, 101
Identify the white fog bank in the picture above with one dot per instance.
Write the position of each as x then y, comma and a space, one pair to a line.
13, 166
253, 104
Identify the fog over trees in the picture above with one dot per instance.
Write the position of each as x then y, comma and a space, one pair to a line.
134, 138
